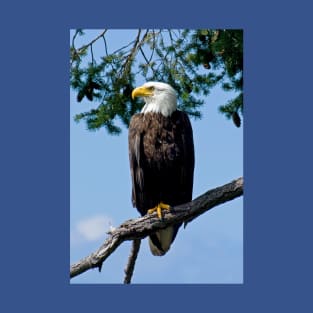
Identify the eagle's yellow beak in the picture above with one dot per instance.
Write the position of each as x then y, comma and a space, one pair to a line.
142, 92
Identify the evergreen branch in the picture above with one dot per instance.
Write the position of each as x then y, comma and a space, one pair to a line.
126, 66
138, 43
142, 227
130, 57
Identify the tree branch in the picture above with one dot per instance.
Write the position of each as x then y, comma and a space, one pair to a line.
142, 227
92, 41
131, 261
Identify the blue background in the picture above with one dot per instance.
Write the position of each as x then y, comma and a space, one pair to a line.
35, 157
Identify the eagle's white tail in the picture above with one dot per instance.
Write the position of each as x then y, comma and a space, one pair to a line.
165, 238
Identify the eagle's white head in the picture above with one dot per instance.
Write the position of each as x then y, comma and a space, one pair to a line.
159, 98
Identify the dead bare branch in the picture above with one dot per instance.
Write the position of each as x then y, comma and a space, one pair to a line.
129, 270
142, 227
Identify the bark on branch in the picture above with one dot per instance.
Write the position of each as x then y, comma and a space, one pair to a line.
142, 227
131, 261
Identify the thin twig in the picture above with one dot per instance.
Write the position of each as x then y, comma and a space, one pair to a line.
74, 37
105, 46
144, 226
92, 57
147, 61
92, 41
129, 270
77, 51
124, 47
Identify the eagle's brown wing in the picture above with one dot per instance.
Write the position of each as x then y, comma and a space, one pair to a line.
161, 155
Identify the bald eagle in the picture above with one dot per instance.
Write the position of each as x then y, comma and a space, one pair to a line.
161, 155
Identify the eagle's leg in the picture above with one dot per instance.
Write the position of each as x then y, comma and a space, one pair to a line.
161, 206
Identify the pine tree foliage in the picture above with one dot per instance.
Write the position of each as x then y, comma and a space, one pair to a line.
192, 61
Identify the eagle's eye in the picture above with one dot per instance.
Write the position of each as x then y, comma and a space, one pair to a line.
151, 88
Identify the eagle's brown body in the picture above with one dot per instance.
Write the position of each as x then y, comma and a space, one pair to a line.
161, 154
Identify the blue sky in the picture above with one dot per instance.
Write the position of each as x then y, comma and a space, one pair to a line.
209, 250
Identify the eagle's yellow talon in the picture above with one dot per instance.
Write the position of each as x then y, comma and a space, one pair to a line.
161, 206
150, 211
164, 206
